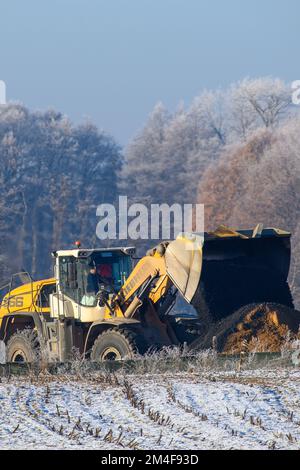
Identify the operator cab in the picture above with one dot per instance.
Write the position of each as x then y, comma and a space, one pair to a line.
83, 273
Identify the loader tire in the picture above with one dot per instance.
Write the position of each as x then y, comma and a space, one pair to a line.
22, 347
116, 345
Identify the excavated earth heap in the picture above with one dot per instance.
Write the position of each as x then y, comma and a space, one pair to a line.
265, 327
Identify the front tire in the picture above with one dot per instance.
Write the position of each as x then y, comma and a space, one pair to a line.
115, 345
22, 347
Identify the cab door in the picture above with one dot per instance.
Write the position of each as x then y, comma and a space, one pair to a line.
42, 300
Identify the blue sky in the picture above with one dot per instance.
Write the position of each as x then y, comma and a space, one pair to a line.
112, 60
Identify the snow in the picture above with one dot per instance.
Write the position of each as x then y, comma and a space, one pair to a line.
256, 409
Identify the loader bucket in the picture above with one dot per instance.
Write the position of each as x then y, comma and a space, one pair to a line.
183, 258
240, 268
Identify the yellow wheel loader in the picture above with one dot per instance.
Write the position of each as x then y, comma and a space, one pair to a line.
97, 303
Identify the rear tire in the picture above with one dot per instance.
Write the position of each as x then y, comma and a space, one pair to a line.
115, 345
22, 347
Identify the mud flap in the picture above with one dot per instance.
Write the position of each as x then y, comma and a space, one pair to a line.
184, 262
2, 353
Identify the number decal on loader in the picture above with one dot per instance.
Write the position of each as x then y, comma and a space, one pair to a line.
14, 302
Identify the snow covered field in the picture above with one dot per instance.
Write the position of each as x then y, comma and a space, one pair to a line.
256, 409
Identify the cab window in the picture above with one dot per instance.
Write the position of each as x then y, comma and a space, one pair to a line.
68, 277
43, 296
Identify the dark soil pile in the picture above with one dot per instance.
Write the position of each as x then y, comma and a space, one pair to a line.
265, 327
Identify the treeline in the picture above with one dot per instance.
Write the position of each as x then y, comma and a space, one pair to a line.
236, 150
52, 177
167, 158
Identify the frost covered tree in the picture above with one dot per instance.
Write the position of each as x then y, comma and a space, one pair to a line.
142, 171
210, 112
254, 103
164, 161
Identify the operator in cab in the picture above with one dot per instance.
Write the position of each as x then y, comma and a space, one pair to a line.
99, 278
105, 276
92, 287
